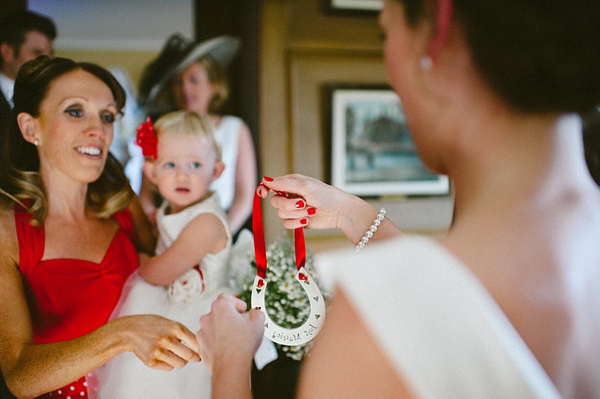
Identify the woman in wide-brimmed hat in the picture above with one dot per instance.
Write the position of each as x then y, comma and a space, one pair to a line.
191, 76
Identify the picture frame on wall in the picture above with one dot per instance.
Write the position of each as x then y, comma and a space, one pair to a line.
354, 6
372, 150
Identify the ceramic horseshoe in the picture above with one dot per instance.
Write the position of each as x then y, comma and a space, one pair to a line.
281, 335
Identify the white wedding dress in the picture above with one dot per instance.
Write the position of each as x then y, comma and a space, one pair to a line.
441, 329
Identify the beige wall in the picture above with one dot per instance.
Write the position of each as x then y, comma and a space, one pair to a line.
113, 33
132, 61
302, 50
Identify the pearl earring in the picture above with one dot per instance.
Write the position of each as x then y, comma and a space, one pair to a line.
35, 142
426, 62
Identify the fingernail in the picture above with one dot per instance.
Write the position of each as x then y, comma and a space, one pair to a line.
311, 211
300, 204
303, 221
267, 178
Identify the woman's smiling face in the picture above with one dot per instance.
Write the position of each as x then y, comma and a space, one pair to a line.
75, 126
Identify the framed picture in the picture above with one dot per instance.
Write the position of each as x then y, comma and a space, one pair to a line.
354, 6
372, 150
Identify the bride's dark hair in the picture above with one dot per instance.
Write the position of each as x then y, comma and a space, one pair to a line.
538, 56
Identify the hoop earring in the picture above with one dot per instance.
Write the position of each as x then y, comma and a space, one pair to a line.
426, 62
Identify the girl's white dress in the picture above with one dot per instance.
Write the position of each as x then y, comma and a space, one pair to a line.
437, 324
125, 376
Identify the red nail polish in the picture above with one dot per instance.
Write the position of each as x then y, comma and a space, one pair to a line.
267, 178
303, 221
299, 204
311, 211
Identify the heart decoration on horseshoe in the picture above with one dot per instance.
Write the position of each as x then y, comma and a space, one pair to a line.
311, 327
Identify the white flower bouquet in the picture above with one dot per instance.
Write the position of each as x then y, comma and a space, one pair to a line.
187, 287
286, 302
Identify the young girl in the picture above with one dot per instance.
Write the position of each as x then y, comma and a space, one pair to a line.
190, 268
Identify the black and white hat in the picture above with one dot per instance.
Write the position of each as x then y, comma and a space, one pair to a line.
177, 54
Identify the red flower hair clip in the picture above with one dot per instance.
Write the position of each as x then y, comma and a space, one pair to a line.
145, 137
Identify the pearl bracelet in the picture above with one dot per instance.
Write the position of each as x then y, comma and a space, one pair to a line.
371, 230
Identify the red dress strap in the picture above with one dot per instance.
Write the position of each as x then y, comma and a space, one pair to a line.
125, 220
31, 240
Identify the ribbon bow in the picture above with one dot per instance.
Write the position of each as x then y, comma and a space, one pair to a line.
145, 137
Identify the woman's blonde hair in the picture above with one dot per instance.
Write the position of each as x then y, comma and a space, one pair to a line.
216, 75
19, 167
187, 122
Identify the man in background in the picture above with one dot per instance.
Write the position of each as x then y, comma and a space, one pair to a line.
24, 35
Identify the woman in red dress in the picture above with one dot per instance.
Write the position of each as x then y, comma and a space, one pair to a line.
70, 232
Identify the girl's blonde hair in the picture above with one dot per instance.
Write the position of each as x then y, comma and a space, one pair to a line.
187, 122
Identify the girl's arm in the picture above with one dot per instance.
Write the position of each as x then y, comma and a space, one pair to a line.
30, 370
202, 235
245, 181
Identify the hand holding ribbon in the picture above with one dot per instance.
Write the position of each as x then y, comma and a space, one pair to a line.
309, 329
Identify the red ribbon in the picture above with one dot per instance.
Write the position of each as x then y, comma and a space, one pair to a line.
260, 252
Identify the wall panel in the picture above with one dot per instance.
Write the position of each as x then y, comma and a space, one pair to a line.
303, 49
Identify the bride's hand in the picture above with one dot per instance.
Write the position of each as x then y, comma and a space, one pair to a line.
306, 202
227, 338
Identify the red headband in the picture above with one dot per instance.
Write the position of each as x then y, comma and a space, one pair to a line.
145, 137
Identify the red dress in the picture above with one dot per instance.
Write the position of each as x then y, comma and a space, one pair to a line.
70, 297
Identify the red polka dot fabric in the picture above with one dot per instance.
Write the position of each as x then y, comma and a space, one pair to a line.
75, 390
